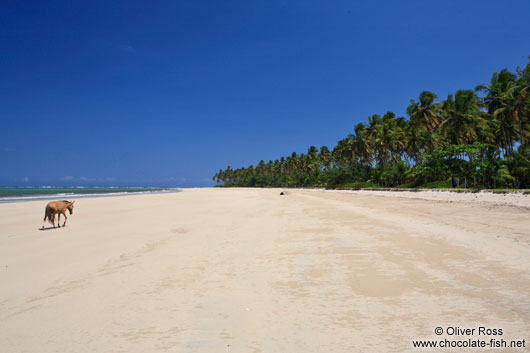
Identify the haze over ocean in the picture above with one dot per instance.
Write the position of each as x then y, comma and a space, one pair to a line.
167, 93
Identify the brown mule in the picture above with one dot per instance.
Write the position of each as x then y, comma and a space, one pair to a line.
57, 208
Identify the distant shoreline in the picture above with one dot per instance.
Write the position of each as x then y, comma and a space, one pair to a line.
512, 198
22, 194
449, 190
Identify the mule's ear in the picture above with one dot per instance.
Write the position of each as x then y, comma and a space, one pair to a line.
73, 202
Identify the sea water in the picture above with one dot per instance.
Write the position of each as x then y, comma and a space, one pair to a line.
12, 194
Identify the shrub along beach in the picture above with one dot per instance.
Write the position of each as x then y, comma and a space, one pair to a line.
473, 139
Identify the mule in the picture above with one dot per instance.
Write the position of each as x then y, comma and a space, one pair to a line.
57, 208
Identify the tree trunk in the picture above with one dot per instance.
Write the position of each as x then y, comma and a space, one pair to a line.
521, 132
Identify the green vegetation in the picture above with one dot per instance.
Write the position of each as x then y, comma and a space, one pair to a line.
473, 139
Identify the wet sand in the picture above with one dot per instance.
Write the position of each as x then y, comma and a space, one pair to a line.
248, 270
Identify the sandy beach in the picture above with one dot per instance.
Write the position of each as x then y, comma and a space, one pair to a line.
248, 270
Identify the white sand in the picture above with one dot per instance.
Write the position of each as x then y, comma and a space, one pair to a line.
247, 270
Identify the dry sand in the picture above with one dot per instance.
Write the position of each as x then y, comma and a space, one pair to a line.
247, 270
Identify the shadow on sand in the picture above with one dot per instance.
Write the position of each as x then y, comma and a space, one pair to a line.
50, 228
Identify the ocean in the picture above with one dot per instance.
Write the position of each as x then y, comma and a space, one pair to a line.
13, 194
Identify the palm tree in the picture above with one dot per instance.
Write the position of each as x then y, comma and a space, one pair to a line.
373, 132
313, 160
413, 142
399, 137
361, 145
515, 105
386, 137
462, 117
342, 153
425, 114
325, 157
495, 101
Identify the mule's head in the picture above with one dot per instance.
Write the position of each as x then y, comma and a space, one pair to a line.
71, 207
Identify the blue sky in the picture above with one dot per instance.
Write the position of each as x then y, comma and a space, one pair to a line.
167, 93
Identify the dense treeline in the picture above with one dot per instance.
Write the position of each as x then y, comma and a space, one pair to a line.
474, 138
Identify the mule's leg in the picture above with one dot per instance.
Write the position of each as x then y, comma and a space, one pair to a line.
52, 219
65, 218
44, 220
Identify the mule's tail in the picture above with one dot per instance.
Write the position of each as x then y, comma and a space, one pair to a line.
47, 216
